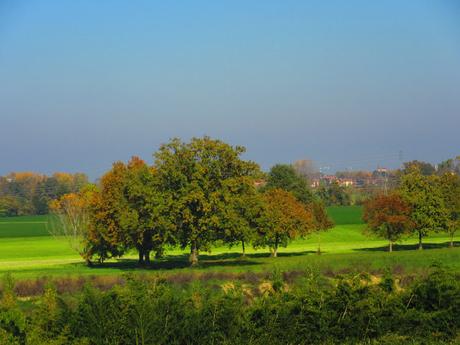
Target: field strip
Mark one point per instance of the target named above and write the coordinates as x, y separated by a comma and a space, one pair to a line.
23, 222
29, 263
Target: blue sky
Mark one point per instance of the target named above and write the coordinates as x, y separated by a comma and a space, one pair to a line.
349, 84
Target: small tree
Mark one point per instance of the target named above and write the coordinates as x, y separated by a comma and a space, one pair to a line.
322, 221
70, 217
388, 217
284, 219
450, 187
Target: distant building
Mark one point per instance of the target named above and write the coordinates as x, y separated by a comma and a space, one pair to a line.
346, 182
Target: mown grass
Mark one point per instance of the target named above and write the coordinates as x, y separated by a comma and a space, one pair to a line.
27, 251
346, 214
24, 226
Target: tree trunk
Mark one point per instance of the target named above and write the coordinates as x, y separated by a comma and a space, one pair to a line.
193, 254
244, 249
420, 245
390, 246
275, 249
147, 257
451, 244
319, 245
141, 257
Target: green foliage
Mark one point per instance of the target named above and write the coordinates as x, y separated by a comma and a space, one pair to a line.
206, 180
333, 194
9, 206
314, 310
284, 177
424, 168
12, 320
424, 195
450, 189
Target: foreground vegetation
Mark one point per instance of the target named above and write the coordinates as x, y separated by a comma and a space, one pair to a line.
278, 309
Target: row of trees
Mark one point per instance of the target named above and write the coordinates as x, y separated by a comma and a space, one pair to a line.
422, 204
28, 193
196, 195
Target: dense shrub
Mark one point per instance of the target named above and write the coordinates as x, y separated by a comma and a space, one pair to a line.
313, 310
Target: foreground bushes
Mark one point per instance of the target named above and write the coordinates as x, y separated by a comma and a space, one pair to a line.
314, 310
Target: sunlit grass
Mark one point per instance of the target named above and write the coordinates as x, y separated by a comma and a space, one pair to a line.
27, 251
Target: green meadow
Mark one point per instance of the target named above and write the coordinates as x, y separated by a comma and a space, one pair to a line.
28, 251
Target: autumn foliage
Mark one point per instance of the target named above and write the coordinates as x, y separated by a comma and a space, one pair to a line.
285, 218
388, 216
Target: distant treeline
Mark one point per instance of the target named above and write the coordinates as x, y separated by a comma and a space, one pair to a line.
28, 193
353, 309
363, 184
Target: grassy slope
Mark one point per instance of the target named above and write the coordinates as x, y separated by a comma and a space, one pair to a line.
27, 251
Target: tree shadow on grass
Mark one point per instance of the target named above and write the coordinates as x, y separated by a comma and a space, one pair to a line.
402, 247
171, 262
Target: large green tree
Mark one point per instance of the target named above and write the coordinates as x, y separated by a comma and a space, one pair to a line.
204, 179
424, 195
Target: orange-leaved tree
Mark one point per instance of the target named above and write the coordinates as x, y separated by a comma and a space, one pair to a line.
284, 219
388, 217
129, 211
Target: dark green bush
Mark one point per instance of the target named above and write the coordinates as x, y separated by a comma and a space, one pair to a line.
315, 310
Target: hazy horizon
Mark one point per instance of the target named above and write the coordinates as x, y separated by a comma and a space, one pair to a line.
346, 84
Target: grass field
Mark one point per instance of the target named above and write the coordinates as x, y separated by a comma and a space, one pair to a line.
27, 251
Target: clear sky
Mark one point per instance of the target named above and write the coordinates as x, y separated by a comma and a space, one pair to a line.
349, 84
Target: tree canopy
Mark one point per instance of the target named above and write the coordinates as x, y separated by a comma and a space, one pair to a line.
203, 178
285, 177
450, 190
285, 218
423, 194
388, 217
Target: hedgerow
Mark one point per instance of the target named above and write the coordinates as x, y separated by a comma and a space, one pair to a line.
351, 309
